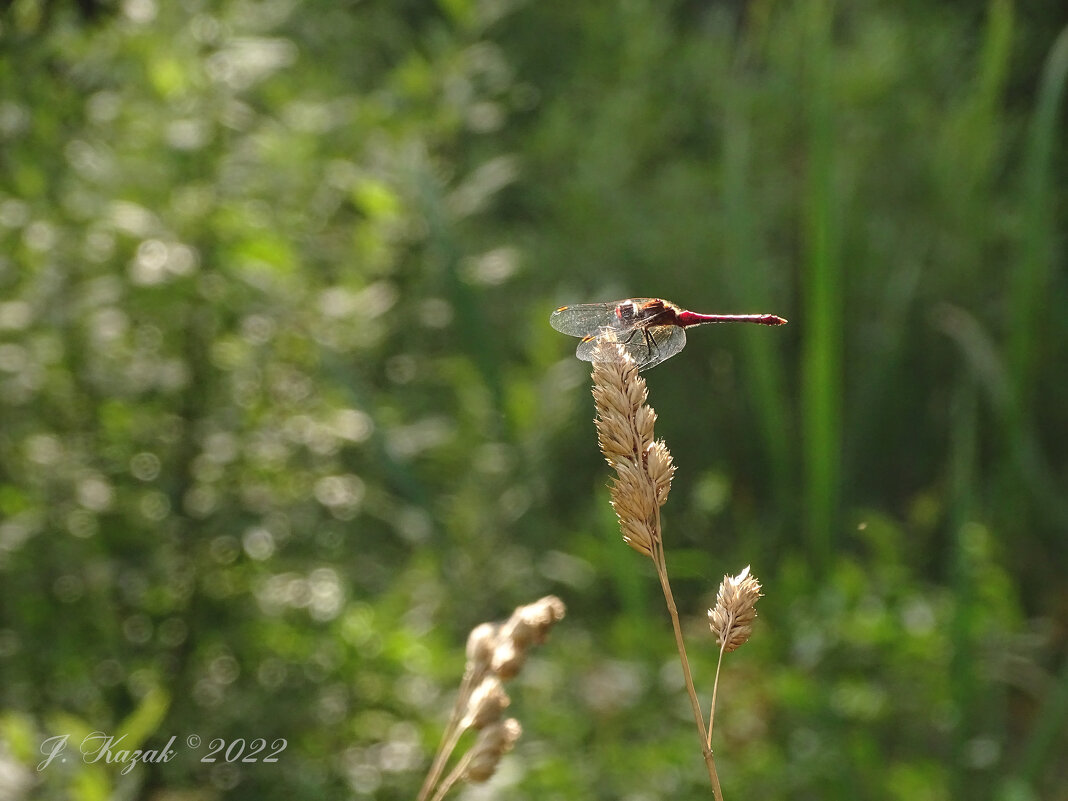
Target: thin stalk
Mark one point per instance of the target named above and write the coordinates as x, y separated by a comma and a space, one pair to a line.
453, 777
715, 691
451, 736
661, 571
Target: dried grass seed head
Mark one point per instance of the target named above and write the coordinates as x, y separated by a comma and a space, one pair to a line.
661, 469
637, 536
732, 618
486, 704
616, 442
529, 625
644, 468
508, 659
618, 390
635, 506
644, 422
493, 742
480, 644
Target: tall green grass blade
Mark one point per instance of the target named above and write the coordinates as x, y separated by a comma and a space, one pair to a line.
974, 128
821, 350
1028, 289
1029, 313
995, 59
964, 683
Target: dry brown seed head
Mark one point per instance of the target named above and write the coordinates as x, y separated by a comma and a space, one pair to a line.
644, 420
480, 644
508, 659
732, 618
661, 469
632, 477
486, 704
634, 504
637, 537
530, 624
625, 432
533, 621
493, 741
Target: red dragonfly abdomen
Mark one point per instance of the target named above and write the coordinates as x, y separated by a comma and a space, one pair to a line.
687, 318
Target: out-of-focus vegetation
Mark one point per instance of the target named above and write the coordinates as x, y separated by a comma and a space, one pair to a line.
282, 418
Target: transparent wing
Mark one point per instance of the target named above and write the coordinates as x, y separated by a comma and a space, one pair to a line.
583, 319
585, 348
588, 319
666, 341
647, 346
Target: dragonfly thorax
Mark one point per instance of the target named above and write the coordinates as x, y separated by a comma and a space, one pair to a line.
626, 311
631, 312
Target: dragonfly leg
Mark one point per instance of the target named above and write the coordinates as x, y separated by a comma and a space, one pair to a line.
651, 347
650, 343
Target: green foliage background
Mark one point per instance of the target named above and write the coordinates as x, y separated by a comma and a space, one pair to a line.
282, 418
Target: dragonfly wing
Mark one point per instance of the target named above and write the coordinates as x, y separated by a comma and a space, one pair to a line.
585, 348
589, 319
662, 342
584, 319
640, 343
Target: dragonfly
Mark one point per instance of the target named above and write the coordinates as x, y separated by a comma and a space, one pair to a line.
650, 329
